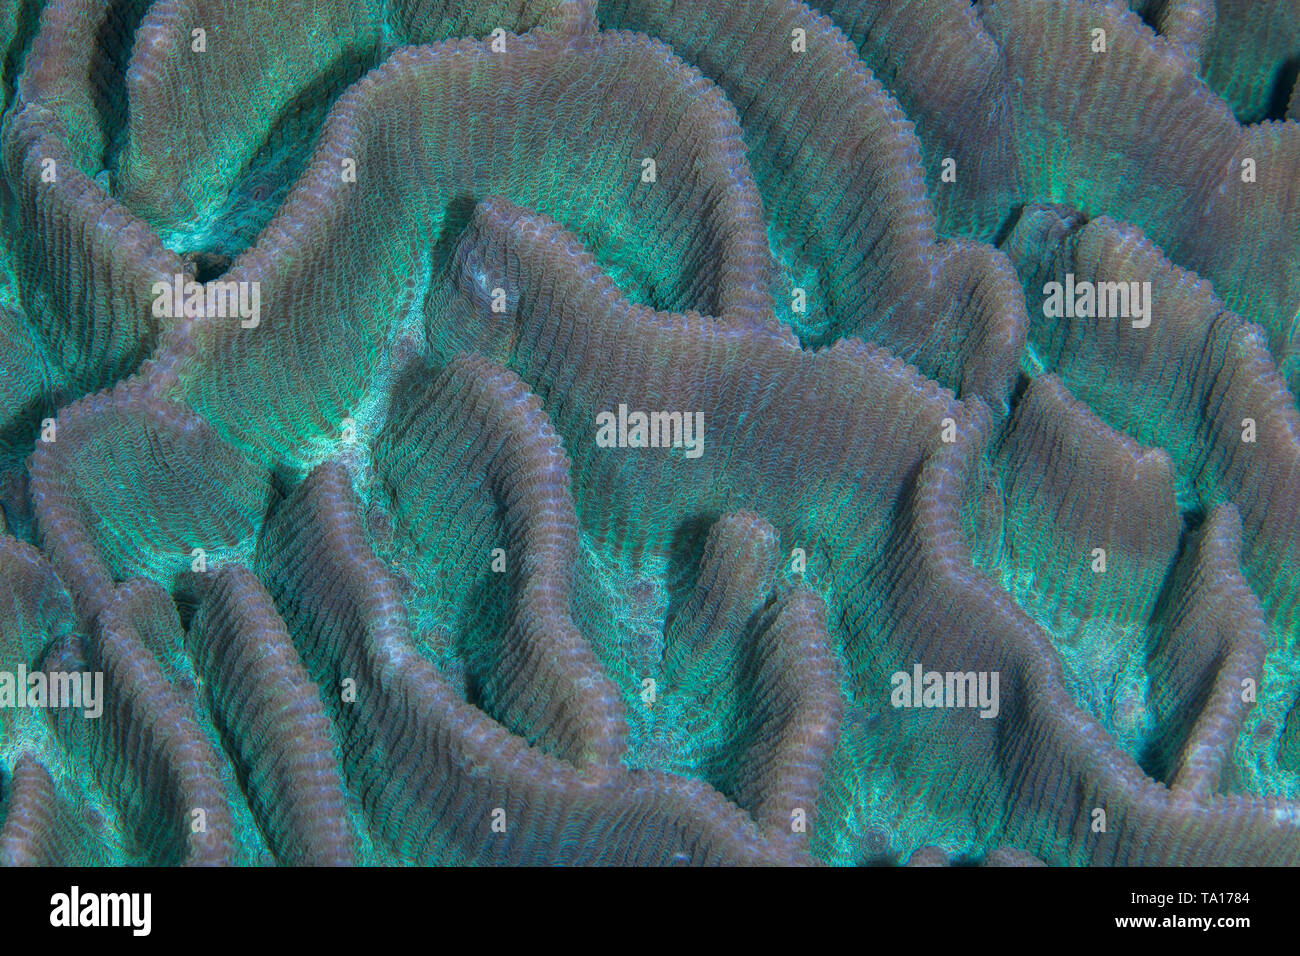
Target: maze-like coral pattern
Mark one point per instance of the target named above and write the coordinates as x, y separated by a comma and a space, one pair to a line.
316, 315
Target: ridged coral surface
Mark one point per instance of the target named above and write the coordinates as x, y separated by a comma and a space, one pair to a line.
648, 432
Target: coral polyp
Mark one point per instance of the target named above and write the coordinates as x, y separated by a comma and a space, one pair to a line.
645, 432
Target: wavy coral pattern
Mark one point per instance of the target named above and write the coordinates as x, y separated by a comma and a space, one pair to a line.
647, 432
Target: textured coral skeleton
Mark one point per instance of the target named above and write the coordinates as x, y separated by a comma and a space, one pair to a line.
363, 587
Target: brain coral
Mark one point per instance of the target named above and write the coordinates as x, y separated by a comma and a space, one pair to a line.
710, 431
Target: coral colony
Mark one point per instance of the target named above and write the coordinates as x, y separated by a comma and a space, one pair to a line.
644, 432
